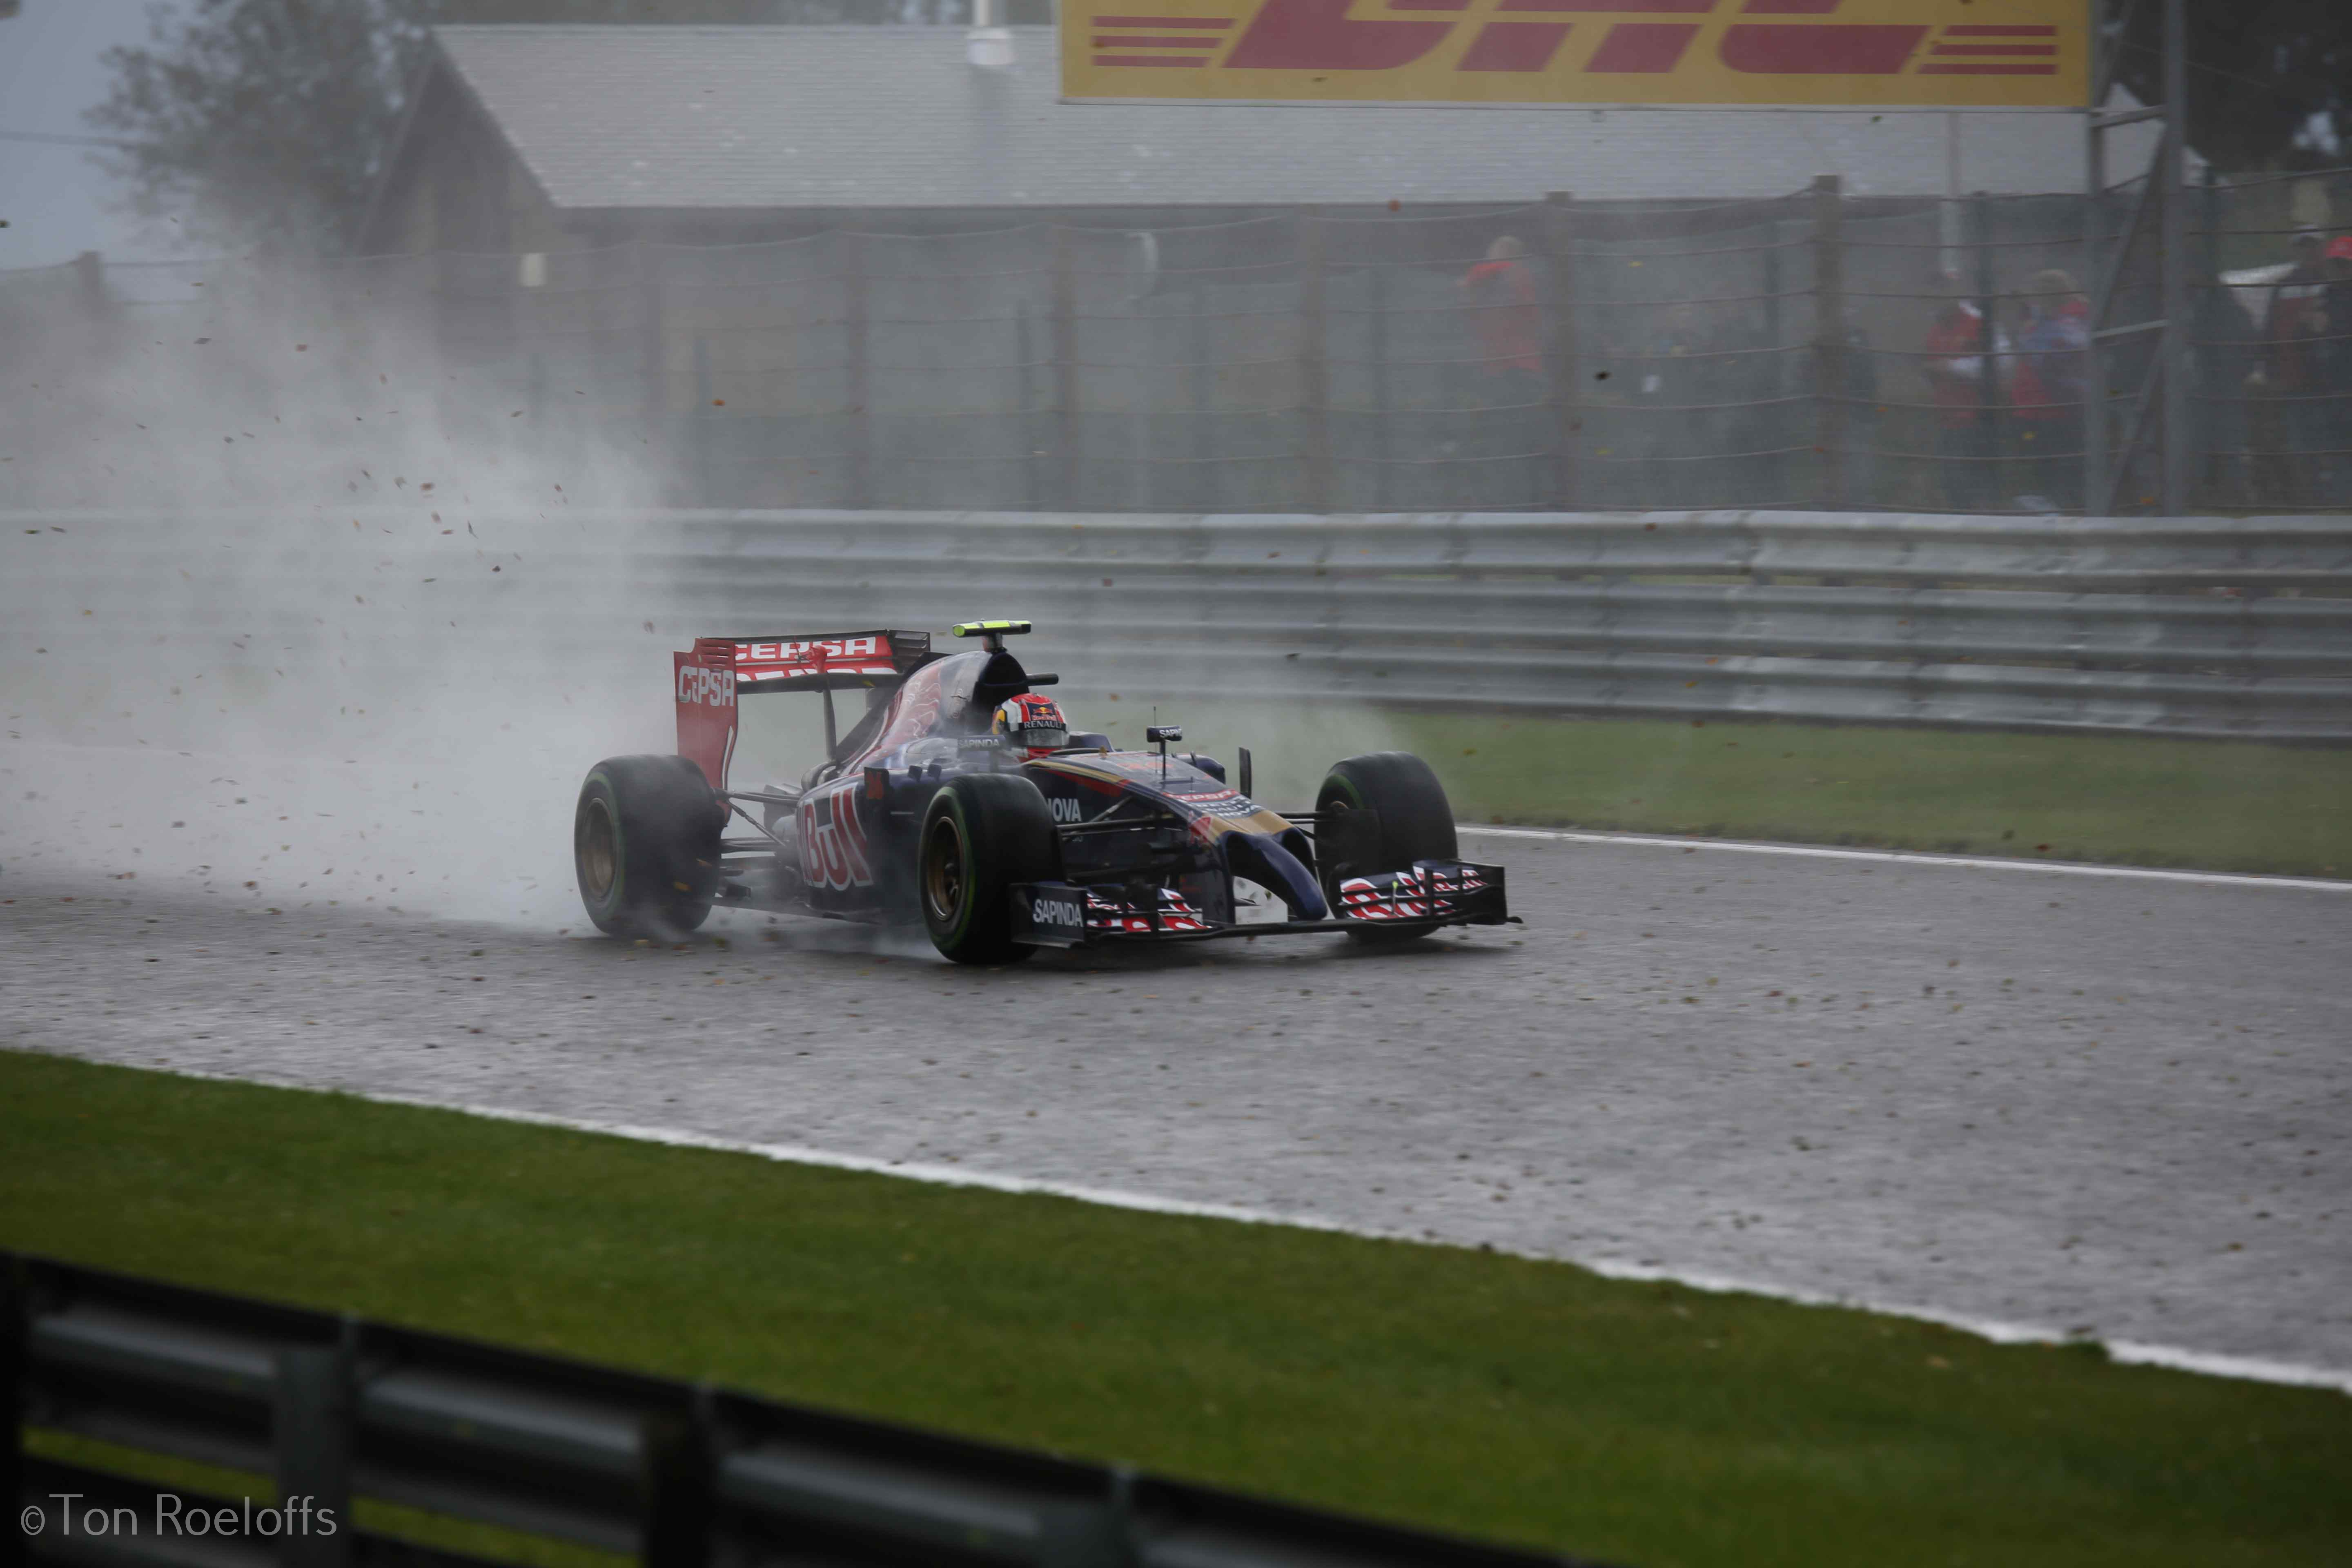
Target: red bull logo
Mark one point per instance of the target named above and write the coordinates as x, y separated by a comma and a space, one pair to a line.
2006, 53
832, 842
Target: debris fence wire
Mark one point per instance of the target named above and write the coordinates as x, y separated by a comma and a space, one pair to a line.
1812, 350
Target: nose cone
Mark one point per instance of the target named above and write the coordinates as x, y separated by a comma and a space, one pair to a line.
1266, 862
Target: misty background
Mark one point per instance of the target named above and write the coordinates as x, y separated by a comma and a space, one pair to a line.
301, 608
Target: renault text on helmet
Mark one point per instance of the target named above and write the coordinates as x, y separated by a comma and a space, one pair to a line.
1034, 724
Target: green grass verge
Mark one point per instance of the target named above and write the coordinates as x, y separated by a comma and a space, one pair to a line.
2137, 800
2129, 799
1525, 1401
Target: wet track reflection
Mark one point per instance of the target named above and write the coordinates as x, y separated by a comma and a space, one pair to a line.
2068, 1101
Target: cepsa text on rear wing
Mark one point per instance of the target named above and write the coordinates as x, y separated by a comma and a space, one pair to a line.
715, 671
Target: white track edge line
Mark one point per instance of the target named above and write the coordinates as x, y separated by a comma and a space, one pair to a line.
2176, 1358
1904, 857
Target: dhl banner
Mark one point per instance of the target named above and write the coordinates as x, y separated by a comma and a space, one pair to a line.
2009, 54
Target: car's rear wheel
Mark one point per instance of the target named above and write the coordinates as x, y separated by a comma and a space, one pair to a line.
644, 846
982, 834
1409, 819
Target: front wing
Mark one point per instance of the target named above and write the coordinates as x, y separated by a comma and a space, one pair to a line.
1434, 893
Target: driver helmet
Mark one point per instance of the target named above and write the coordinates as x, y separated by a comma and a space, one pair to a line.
1032, 724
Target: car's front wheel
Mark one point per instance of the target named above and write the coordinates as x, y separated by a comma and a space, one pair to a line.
982, 834
1406, 817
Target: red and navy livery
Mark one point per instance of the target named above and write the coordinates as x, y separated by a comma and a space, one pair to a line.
926, 810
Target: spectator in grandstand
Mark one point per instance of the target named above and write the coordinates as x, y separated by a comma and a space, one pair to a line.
2337, 302
1504, 299
2338, 268
2292, 372
2225, 341
2047, 390
2336, 361
1965, 382
1506, 302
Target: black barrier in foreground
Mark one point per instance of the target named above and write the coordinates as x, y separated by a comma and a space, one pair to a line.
676, 1475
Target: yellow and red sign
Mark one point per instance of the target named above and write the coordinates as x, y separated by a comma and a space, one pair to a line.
2011, 54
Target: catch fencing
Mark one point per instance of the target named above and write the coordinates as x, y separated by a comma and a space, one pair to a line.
674, 1474
1815, 351
2203, 627
2270, 341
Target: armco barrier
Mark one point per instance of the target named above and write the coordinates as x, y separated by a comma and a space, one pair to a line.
2211, 627
676, 1475
2204, 627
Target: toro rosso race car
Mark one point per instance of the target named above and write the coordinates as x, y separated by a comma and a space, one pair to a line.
960, 798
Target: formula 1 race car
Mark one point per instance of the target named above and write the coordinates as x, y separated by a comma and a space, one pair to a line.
1000, 841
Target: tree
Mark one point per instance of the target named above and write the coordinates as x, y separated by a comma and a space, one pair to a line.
264, 120
2260, 73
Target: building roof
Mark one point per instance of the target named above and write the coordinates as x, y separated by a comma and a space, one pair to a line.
795, 116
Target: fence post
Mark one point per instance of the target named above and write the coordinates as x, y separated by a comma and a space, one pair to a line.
1025, 355
15, 1312
2172, 264
1314, 368
699, 424
675, 1456
2204, 319
1829, 377
310, 1430
1567, 393
1065, 368
1201, 493
856, 368
1143, 330
1383, 397
1992, 397
2098, 406
1775, 382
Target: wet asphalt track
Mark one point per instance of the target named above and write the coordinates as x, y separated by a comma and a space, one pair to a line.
2093, 1104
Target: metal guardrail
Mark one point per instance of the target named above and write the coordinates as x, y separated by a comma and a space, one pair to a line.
2198, 627
678, 1475
2204, 627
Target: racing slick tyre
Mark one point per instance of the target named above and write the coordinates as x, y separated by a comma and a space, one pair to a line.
982, 834
1414, 822
644, 846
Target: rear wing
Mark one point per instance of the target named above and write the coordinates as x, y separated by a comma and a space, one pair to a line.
826, 661
717, 670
